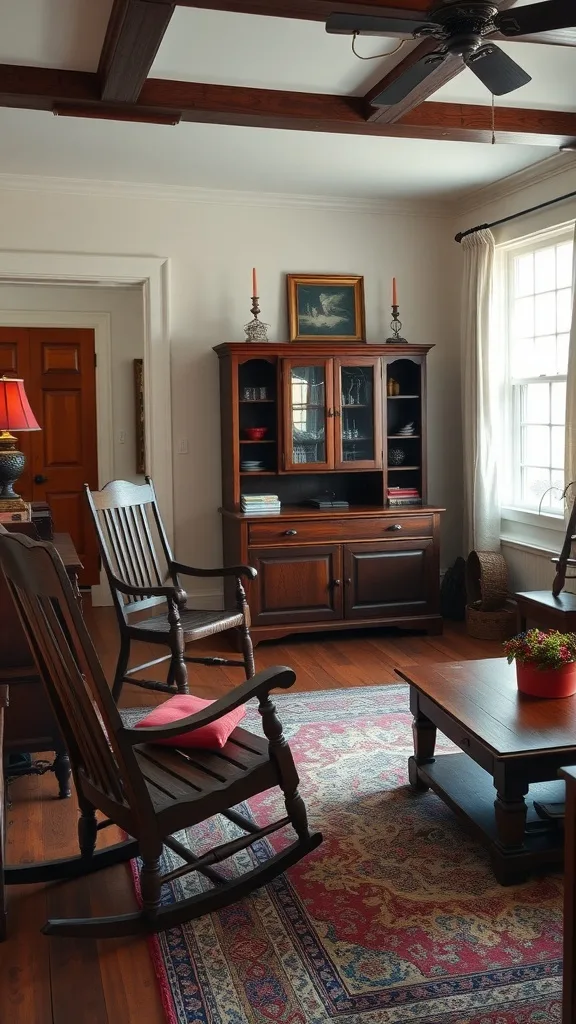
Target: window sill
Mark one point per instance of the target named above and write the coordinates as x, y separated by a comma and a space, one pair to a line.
538, 532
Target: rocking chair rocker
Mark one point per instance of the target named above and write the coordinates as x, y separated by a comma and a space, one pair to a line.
151, 792
127, 518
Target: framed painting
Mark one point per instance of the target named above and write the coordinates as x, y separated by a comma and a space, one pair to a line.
139, 406
325, 307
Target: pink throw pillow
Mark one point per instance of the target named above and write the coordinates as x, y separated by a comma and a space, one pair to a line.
212, 736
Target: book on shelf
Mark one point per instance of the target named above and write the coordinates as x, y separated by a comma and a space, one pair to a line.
11, 515
403, 502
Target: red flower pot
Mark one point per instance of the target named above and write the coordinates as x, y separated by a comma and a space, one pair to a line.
548, 682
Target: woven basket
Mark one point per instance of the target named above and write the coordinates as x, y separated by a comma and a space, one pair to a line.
493, 625
486, 580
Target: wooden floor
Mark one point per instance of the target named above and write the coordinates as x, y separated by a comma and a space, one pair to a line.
61, 981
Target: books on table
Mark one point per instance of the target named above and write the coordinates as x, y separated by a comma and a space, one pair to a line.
260, 504
400, 496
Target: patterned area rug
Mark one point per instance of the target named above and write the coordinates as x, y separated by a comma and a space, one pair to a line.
396, 918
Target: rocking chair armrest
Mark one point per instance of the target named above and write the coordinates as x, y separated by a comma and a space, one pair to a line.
170, 593
229, 570
258, 686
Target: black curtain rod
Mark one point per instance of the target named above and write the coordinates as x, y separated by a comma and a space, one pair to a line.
513, 216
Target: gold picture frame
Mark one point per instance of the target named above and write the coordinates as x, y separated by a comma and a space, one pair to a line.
139, 409
326, 307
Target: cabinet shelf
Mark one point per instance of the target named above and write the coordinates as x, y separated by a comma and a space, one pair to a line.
402, 437
260, 472
257, 401
401, 469
267, 441
356, 407
395, 398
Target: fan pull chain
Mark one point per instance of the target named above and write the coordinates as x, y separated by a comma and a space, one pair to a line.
388, 53
493, 119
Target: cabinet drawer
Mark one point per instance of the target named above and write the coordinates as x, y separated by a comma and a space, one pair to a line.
393, 527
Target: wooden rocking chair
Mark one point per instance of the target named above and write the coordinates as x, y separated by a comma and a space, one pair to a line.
565, 559
149, 791
126, 518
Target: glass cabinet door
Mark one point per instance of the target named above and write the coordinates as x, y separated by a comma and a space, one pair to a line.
308, 415
358, 413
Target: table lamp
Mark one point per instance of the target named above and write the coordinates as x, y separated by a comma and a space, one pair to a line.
15, 414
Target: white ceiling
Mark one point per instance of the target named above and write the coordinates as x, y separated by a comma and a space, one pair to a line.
274, 53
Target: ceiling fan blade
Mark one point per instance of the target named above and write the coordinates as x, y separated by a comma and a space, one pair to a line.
410, 78
389, 22
496, 70
534, 18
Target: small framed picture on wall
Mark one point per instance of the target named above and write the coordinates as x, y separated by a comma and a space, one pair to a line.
326, 307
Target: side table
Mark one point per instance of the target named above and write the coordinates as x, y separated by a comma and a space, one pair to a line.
29, 722
542, 608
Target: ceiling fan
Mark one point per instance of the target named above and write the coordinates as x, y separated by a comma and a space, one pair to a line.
465, 30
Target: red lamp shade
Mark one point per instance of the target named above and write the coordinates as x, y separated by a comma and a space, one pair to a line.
15, 411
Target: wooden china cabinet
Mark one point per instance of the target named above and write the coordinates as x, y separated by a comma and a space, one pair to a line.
342, 423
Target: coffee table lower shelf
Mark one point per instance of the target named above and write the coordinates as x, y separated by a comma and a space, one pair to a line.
469, 791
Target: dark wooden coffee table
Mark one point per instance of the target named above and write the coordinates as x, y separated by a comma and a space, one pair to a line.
512, 744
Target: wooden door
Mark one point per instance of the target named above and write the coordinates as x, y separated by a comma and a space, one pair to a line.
58, 368
308, 411
390, 578
296, 585
358, 412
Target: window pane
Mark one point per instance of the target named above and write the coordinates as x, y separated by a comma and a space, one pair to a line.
524, 275
564, 309
564, 265
536, 446
557, 446
545, 314
562, 345
545, 270
558, 402
524, 360
535, 482
544, 356
523, 318
536, 403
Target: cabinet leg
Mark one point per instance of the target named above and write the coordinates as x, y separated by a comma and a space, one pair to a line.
62, 771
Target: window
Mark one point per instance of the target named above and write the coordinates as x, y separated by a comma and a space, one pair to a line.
538, 290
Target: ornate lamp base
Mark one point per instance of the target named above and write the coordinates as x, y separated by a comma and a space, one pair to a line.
12, 463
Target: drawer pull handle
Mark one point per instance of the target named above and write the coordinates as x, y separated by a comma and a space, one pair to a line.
395, 526
336, 583
290, 533
348, 581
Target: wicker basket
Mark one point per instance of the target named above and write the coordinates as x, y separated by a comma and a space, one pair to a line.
486, 580
492, 625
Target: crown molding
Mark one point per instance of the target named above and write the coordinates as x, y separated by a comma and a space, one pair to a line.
221, 197
536, 174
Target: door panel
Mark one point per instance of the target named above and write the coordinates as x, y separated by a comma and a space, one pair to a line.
358, 412
296, 585
58, 368
308, 414
390, 578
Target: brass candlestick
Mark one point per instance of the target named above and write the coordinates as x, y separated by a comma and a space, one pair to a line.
396, 327
256, 330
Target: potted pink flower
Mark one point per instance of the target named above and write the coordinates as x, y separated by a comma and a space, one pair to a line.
545, 662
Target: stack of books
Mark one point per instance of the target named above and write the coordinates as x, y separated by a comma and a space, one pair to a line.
260, 504
403, 496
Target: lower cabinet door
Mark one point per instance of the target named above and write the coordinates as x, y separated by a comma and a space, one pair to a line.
395, 579
296, 584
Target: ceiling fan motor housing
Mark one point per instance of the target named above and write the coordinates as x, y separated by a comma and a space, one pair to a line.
461, 26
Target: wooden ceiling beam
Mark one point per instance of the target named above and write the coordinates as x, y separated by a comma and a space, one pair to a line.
45, 89
135, 30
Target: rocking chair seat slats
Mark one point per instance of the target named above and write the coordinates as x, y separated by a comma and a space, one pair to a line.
142, 571
195, 625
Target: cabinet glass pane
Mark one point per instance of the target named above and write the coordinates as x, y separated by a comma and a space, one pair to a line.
308, 396
357, 419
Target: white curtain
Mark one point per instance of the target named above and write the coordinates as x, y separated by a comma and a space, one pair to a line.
570, 453
480, 416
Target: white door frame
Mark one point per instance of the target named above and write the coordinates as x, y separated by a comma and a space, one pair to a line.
152, 273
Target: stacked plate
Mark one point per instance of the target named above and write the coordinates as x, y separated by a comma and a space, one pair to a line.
251, 466
407, 430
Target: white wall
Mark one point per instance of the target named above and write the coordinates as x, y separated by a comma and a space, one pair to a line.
529, 569
125, 306
212, 246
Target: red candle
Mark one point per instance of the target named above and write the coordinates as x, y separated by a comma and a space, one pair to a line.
254, 282
394, 292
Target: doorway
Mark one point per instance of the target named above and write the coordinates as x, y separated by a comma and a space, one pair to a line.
59, 372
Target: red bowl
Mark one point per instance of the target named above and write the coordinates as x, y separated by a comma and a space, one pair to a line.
255, 433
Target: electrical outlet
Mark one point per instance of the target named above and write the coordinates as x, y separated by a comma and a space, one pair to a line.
183, 446
122, 437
